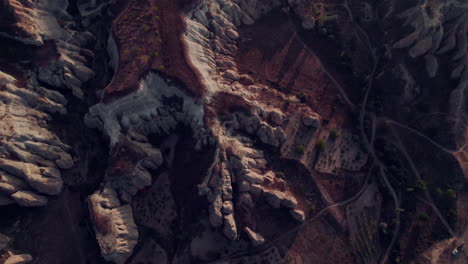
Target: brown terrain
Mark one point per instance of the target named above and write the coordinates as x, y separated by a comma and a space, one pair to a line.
260, 131
148, 35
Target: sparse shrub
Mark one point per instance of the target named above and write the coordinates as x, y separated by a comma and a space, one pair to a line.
280, 174
155, 53
145, 28
423, 216
320, 145
161, 67
452, 212
300, 149
312, 207
421, 185
334, 134
451, 193
144, 59
136, 50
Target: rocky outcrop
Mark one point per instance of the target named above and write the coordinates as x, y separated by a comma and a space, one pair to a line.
256, 238
116, 231
440, 30
158, 107
212, 36
30, 155
18, 259
298, 215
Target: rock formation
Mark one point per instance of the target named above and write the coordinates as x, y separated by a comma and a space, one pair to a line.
116, 232
229, 124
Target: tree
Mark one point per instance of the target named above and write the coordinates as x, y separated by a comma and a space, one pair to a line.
451, 193
300, 149
334, 134
320, 145
421, 185
423, 216
280, 174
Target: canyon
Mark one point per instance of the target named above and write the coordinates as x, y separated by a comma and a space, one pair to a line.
233, 131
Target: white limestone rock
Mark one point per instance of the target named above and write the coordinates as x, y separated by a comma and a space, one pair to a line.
276, 117
29, 199
116, 231
230, 228
298, 215
18, 259
310, 121
231, 75
253, 177
271, 136
255, 238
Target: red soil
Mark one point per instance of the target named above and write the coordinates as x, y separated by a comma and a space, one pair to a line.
149, 36
282, 61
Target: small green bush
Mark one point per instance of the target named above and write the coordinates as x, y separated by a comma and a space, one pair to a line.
334, 134
320, 145
451, 193
280, 174
423, 216
300, 149
421, 185
145, 28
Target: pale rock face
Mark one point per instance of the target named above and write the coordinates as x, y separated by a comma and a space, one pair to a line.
44, 180
298, 215
289, 202
276, 117
29, 199
27, 107
211, 23
271, 136
116, 231
232, 75
19, 259
255, 238
253, 177
145, 111
310, 121
230, 229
